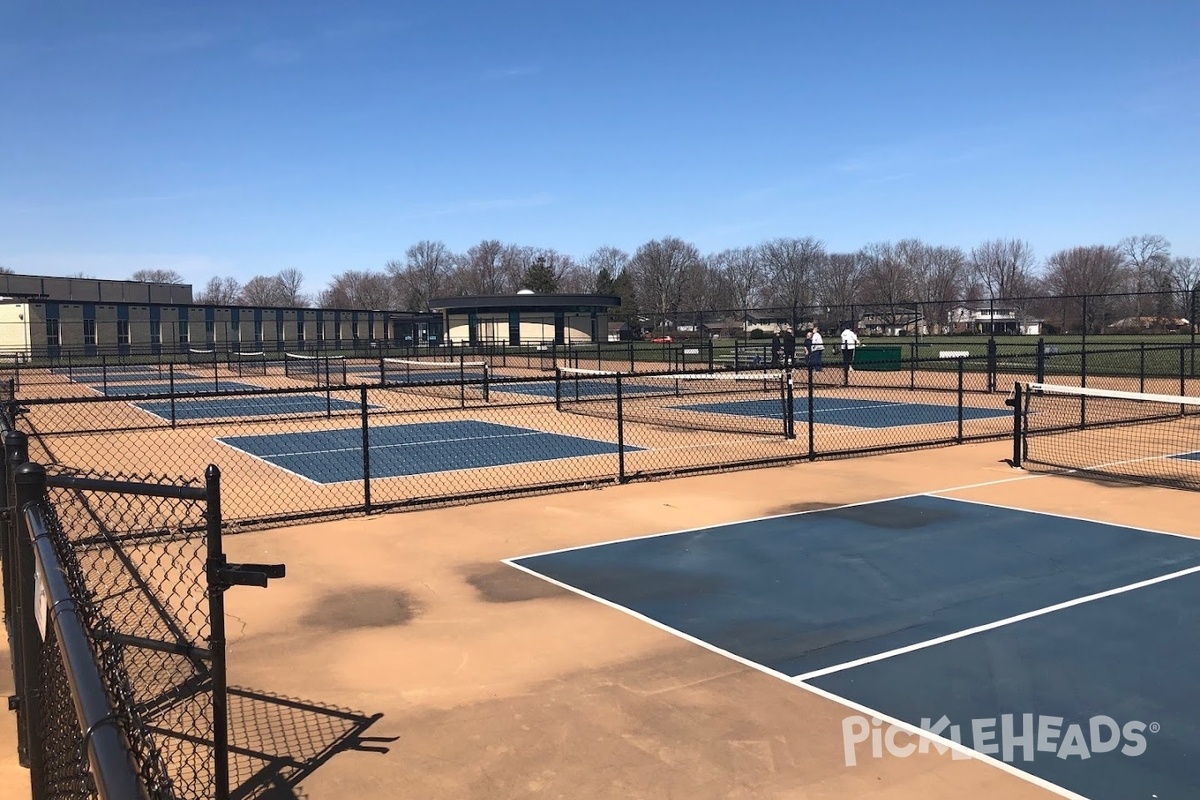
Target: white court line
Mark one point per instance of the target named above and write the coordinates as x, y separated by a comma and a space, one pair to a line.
858, 662
262, 460
862, 709
1022, 477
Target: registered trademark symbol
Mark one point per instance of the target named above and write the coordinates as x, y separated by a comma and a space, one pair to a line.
1155, 727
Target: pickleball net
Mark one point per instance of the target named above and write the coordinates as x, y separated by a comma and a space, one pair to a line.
465, 381
1131, 437
247, 364
322, 370
758, 403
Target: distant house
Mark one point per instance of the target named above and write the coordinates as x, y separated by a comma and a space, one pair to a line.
1149, 325
986, 319
900, 322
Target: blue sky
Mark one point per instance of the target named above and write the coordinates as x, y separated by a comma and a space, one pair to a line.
235, 138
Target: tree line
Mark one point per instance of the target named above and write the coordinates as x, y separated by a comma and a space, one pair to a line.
669, 276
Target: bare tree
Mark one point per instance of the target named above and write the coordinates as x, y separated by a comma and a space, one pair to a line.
481, 269
839, 283
658, 270
939, 274
1147, 261
609, 261
220, 292
156, 276
423, 275
355, 289
790, 266
1085, 271
290, 281
263, 290
1004, 267
889, 283
5, 270
742, 273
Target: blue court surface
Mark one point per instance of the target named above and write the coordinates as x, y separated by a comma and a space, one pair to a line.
849, 412
165, 387
924, 608
124, 376
266, 405
335, 456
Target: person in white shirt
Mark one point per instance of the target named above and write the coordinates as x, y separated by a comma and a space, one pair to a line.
816, 348
849, 343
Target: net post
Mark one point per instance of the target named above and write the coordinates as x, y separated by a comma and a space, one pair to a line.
912, 367
991, 359
812, 439
171, 388
1017, 417
366, 450
557, 388
959, 438
1182, 378
620, 431
789, 405
487, 388
1040, 372
631, 359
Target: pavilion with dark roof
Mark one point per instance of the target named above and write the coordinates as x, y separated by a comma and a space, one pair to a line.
526, 318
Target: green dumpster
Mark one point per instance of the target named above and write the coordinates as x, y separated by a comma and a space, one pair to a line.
876, 358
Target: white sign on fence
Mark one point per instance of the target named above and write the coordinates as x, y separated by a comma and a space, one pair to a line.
39, 601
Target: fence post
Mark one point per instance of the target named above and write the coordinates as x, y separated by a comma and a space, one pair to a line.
912, 367
1040, 372
216, 627
29, 486
366, 451
620, 431
1182, 377
16, 447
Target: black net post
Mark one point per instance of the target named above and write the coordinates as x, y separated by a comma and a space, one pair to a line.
620, 431
991, 362
557, 389
1040, 372
789, 405
959, 437
366, 451
29, 486
171, 389
1017, 418
812, 434
912, 367
1142, 367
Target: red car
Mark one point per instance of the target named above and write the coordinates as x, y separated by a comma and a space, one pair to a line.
662, 340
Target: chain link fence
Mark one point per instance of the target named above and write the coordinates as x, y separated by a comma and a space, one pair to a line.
113, 598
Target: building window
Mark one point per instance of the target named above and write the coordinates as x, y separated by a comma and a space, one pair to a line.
279, 337
210, 331
89, 331
52, 331
122, 331
235, 330
354, 331
337, 332
184, 336
300, 331
258, 331
320, 331
155, 331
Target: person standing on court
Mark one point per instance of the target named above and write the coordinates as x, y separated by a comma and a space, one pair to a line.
849, 343
815, 346
776, 349
789, 346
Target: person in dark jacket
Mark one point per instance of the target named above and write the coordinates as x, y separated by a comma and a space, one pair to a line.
776, 350
789, 346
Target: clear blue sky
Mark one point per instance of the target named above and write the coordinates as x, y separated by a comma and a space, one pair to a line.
240, 138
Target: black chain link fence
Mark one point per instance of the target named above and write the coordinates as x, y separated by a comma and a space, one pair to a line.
113, 597
348, 436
